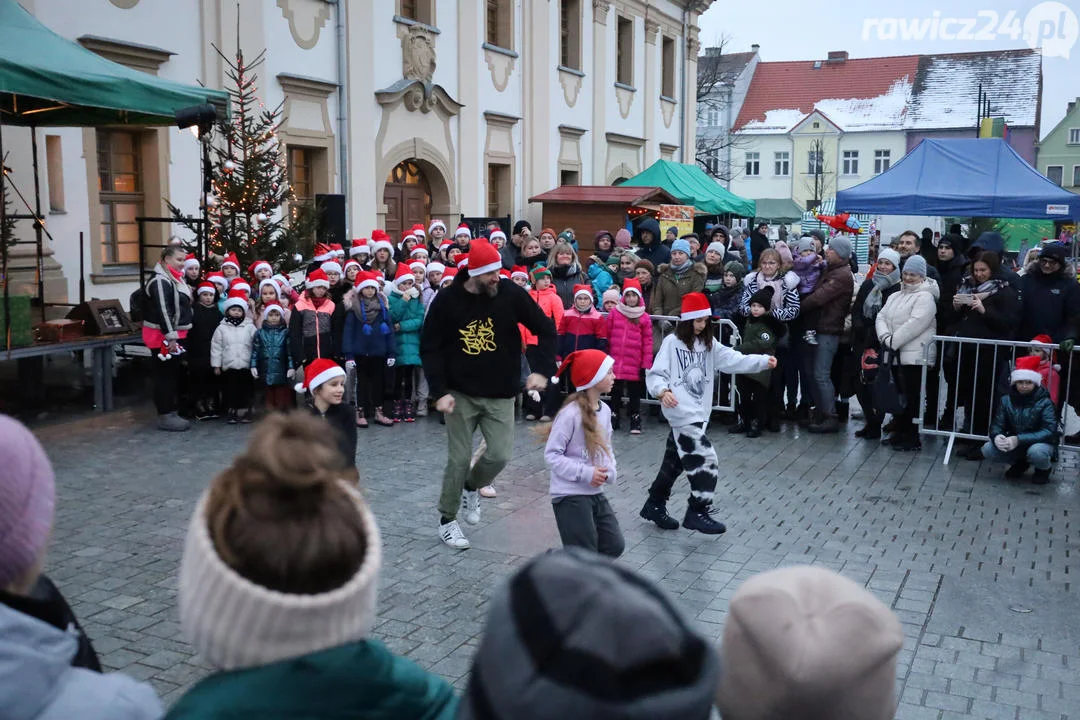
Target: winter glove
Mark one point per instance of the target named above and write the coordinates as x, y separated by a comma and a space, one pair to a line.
870, 359
1001, 443
534, 395
350, 365
1066, 346
255, 373
390, 362
290, 373
1012, 442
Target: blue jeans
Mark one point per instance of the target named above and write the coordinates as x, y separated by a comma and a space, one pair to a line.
1038, 454
823, 360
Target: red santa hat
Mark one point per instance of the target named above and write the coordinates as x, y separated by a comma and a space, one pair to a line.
1044, 339
463, 229
1027, 368
191, 261
272, 306
497, 234
337, 250
417, 263
482, 258
218, 279
632, 285
383, 243
583, 290
435, 267
317, 372
235, 299
351, 262
317, 278
272, 283
586, 368
418, 230
232, 260
366, 280
323, 252
259, 265
206, 287
359, 247
463, 262
331, 266
436, 224
446, 243
403, 273
519, 270
448, 274
239, 284
695, 305
405, 236
419, 250
283, 282
505, 273
379, 234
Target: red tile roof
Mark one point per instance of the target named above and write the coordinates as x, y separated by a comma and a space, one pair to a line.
595, 194
798, 85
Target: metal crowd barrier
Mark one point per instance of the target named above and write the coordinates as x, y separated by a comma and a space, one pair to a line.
987, 363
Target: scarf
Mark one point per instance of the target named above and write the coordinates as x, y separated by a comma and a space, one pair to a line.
176, 274
881, 282
776, 283
235, 322
680, 269
631, 313
982, 291
370, 308
318, 302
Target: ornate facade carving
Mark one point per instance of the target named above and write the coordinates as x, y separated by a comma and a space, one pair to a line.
501, 66
418, 54
600, 11
306, 20
571, 86
652, 29
625, 96
667, 110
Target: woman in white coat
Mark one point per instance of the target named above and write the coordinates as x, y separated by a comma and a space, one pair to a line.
906, 326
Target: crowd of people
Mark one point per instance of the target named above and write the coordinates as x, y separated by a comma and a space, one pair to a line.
277, 593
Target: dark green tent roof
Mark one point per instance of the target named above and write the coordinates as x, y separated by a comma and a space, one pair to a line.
692, 186
778, 210
49, 81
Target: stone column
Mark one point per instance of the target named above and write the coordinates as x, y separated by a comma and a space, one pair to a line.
538, 65
363, 114
689, 91
470, 141
652, 96
597, 173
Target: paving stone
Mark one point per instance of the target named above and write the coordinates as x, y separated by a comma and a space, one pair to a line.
957, 551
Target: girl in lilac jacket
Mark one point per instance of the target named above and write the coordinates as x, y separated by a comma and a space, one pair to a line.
579, 455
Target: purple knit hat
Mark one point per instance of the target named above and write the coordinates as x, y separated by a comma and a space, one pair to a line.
27, 498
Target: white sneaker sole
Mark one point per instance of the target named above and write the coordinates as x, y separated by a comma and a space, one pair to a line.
449, 542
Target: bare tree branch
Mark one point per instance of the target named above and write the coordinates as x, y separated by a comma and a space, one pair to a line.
716, 77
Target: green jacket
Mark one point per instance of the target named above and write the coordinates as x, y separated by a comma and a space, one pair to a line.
759, 337
1031, 418
358, 681
410, 316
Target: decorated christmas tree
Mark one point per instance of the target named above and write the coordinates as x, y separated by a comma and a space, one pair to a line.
251, 209
7, 224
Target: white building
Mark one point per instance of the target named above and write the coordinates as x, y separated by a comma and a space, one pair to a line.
414, 109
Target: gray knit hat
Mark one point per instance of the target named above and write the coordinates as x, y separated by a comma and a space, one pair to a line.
573, 635
841, 246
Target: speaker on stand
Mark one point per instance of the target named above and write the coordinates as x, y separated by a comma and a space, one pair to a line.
330, 222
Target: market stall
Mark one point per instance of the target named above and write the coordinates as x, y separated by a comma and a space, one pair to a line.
49, 81
589, 208
692, 186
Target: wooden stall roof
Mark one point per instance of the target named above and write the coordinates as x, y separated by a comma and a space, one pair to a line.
605, 195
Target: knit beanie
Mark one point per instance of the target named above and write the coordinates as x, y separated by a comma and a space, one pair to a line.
841, 246
890, 255
612, 293
804, 243
785, 254
27, 500
622, 238
717, 247
736, 268
235, 623
915, 264
762, 297
680, 245
574, 635
804, 642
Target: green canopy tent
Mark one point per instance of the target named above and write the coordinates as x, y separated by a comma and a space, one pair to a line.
692, 186
778, 210
49, 81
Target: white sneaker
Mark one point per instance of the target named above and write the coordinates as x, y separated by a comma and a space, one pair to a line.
470, 505
451, 535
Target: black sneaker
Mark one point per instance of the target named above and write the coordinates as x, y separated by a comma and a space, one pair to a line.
615, 424
657, 512
1040, 477
702, 521
635, 424
231, 417
868, 433
754, 431
1017, 470
246, 416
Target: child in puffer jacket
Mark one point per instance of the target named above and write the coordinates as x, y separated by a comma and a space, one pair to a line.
724, 298
368, 345
808, 265
1025, 427
544, 294
582, 326
230, 356
316, 322
631, 345
407, 315
271, 360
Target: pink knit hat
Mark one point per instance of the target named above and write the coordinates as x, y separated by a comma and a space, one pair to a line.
27, 499
805, 642
622, 238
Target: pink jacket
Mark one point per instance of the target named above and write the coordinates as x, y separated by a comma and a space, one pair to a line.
630, 344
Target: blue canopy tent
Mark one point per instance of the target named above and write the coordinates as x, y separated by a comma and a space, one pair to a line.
967, 177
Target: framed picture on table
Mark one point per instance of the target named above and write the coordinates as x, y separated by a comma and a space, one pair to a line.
103, 317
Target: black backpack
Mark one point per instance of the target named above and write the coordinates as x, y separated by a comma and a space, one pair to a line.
135, 304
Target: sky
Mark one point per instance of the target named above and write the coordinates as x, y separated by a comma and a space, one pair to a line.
790, 30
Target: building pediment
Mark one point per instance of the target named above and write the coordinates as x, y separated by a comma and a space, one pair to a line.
816, 123
422, 95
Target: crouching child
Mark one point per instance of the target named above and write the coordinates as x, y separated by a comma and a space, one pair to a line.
1025, 427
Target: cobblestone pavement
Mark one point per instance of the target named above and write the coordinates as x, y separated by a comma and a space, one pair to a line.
980, 570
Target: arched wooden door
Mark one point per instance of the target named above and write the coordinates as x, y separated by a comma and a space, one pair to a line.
407, 197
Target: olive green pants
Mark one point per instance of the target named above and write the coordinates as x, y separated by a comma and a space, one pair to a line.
495, 418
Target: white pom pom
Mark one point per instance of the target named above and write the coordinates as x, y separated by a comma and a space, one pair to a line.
262, 217
298, 258
229, 165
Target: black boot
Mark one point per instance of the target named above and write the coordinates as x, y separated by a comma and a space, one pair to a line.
656, 512
754, 431
1017, 470
615, 420
231, 417
1040, 477
869, 433
635, 424
699, 517
738, 428
802, 414
843, 410
410, 411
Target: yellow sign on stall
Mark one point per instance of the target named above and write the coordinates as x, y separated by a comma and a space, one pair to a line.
681, 216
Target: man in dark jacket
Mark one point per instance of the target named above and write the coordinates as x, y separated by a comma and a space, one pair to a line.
759, 243
1049, 297
951, 264
830, 304
471, 350
650, 247
909, 243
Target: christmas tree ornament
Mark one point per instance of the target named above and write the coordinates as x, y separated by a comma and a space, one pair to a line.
228, 166
262, 217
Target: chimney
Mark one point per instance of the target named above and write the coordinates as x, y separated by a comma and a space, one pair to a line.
837, 56
1072, 106
754, 48
712, 52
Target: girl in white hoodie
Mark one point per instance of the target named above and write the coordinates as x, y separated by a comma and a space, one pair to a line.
681, 378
